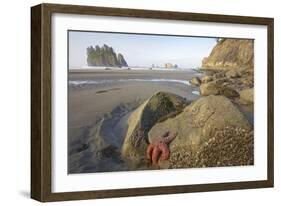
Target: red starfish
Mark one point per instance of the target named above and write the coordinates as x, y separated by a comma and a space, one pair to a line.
159, 147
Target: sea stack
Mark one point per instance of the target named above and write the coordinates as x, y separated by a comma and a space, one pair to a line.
104, 56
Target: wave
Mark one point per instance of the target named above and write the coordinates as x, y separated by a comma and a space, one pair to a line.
136, 68
196, 93
106, 81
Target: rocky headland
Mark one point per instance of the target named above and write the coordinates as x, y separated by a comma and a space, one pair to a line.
229, 71
230, 54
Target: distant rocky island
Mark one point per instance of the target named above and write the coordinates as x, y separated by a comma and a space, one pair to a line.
104, 56
170, 65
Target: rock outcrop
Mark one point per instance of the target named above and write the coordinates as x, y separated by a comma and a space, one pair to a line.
121, 60
247, 96
159, 107
210, 88
229, 92
232, 74
218, 87
210, 132
229, 69
207, 79
104, 56
195, 81
231, 53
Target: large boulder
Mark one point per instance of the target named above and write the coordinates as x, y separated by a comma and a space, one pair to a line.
210, 88
218, 87
159, 107
210, 132
228, 91
247, 96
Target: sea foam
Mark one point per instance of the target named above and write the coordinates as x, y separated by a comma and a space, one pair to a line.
106, 81
196, 93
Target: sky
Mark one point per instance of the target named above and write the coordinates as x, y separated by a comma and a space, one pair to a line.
142, 50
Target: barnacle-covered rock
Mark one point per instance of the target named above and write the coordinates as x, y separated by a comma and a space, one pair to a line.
210, 132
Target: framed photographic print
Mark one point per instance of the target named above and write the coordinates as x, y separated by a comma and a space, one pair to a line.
130, 102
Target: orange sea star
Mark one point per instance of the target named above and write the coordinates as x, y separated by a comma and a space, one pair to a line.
159, 147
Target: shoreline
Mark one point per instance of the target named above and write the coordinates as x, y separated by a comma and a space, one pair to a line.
127, 68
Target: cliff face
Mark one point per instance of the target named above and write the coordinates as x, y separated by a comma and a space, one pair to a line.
230, 72
231, 54
104, 56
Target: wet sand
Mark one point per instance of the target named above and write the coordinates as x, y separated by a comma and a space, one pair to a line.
99, 105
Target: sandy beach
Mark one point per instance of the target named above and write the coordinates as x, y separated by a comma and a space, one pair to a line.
99, 103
